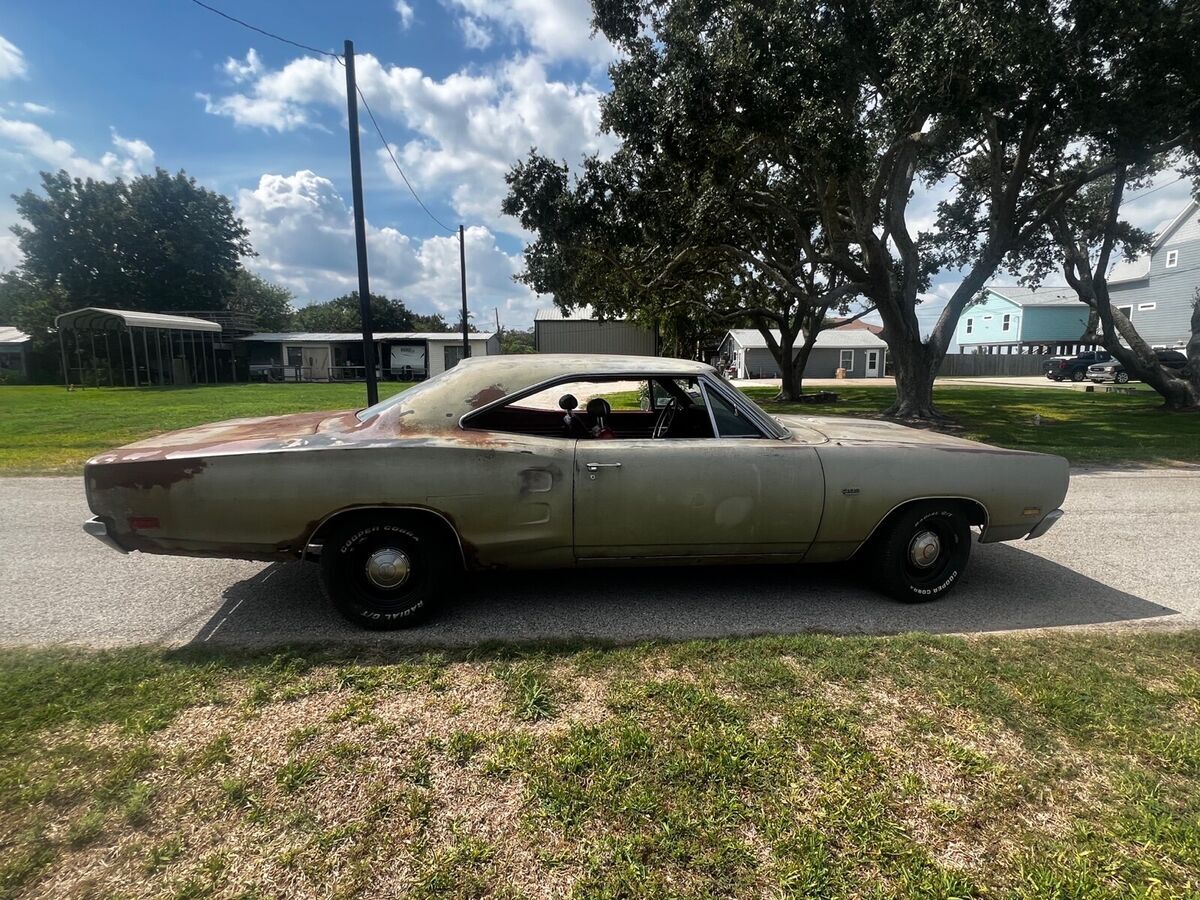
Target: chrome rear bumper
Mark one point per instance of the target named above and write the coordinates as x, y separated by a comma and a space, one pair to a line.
1045, 525
96, 528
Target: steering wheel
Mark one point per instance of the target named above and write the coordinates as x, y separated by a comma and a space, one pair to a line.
662, 425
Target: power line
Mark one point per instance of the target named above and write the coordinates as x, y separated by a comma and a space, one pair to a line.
1152, 190
272, 35
388, 148
379, 131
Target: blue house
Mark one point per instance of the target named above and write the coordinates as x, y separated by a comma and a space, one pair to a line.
1049, 320
1156, 290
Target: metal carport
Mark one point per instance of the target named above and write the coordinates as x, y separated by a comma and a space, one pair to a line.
147, 348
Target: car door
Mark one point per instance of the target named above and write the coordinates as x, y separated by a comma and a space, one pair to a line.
731, 497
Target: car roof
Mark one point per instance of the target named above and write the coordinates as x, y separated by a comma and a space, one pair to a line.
482, 380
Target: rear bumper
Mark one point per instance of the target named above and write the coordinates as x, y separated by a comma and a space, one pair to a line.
98, 529
1045, 525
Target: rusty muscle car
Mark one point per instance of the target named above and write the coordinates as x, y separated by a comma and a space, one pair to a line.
526, 462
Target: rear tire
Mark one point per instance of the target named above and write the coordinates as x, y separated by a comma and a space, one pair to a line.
923, 553
386, 573
1078, 375
1121, 378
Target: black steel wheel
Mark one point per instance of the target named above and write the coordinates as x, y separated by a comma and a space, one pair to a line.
385, 574
923, 552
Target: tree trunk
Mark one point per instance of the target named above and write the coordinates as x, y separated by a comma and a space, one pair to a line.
790, 383
790, 380
915, 367
800, 363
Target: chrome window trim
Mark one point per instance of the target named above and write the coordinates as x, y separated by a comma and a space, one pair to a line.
712, 419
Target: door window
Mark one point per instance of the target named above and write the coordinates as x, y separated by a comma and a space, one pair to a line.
598, 409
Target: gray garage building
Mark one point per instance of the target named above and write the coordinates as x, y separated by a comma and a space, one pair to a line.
859, 351
580, 331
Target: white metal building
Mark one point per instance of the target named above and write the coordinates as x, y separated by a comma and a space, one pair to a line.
338, 356
13, 345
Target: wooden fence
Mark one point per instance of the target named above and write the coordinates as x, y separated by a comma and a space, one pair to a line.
1016, 365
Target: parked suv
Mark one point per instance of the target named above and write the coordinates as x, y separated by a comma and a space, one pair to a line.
1114, 371
1076, 368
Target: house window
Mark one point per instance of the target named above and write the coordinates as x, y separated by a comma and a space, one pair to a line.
970, 325
1172, 258
1007, 321
846, 360
1143, 307
1127, 310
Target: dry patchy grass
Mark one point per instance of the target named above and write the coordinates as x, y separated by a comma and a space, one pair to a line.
806, 766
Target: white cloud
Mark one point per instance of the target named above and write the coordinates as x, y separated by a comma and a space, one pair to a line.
405, 11
304, 234
470, 127
554, 29
278, 100
475, 33
10, 252
35, 146
243, 69
136, 150
12, 60
33, 109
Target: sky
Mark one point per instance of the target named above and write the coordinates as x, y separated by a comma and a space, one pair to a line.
462, 89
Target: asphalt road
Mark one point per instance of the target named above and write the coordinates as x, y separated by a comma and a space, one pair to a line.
1127, 554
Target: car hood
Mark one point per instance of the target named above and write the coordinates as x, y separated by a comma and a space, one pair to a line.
847, 430
237, 435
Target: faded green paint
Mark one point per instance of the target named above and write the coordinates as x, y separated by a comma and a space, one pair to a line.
259, 488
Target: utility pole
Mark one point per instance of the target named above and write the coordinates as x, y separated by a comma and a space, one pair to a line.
360, 230
462, 268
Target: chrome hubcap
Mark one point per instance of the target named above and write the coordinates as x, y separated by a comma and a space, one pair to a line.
388, 568
924, 549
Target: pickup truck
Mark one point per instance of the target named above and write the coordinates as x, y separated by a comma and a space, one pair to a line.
1060, 368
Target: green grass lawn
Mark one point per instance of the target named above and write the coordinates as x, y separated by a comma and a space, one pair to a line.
1088, 429
809, 766
49, 430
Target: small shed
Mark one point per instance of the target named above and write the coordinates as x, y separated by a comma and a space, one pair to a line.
145, 348
14, 345
338, 356
859, 351
581, 331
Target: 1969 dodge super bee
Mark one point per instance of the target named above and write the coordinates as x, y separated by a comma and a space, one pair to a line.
523, 462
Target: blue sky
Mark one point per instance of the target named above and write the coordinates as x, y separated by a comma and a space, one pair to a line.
462, 89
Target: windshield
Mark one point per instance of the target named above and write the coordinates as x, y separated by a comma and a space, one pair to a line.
407, 395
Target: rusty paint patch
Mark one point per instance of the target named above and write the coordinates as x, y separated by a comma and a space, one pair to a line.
487, 395
142, 473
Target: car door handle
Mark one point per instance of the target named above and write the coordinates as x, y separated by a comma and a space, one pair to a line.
592, 467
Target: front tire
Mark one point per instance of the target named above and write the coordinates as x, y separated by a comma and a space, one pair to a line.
923, 553
384, 574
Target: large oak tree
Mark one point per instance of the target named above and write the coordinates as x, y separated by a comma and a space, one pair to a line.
857, 104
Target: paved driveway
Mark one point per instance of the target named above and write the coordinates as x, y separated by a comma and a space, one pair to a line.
1126, 555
